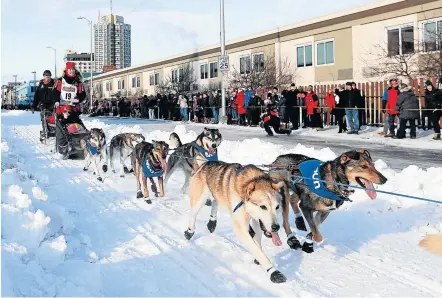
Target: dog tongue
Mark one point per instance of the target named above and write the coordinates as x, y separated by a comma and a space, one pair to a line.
275, 239
371, 193
163, 165
211, 151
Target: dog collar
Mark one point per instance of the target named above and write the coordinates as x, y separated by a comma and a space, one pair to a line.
206, 153
92, 149
238, 206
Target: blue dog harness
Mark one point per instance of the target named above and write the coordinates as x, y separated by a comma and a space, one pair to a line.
92, 149
310, 170
206, 153
150, 171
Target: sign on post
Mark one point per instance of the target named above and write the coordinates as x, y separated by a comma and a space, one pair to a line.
224, 63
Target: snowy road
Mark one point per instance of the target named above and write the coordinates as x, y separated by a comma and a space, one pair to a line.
398, 154
66, 234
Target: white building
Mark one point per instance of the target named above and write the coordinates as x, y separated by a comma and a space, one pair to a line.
82, 60
112, 42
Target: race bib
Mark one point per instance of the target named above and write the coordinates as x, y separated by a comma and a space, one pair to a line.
68, 93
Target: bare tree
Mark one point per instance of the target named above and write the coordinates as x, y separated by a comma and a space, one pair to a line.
179, 80
263, 73
411, 59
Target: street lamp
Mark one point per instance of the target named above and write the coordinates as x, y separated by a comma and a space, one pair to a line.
223, 53
91, 93
55, 60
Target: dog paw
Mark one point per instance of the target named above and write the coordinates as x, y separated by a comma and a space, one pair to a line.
188, 234
208, 203
139, 194
211, 225
300, 224
256, 262
113, 171
148, 201
126, 170
307, 247
277, 277
85, 169
105, 168
294, 243
161, 194
100, 179
94, 173
121, 176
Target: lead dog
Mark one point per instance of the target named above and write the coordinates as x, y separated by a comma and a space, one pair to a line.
251, 197
149, 161
94, 150
192, 155
125, 144
301, 175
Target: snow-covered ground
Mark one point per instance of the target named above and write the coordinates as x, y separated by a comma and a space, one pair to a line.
66, 234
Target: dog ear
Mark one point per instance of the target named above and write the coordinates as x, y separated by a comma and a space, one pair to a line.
365, 152
347, 156
154, 143
278, 185
250, 188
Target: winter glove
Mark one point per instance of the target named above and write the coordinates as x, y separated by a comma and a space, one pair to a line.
57, 104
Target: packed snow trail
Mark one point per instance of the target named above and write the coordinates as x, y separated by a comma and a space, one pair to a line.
102, 241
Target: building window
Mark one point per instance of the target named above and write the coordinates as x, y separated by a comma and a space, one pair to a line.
203, 71
175, 76
325, 52
157, 78
400, 41
151, 80
136, 82
120, 84
304, 56
108, 86
244, 65
432, 36
258, 62
213, 70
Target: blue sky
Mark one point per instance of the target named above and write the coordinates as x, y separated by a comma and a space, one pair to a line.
160, 28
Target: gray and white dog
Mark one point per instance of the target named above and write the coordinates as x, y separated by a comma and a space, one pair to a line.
95, 151
192, 155
124, 143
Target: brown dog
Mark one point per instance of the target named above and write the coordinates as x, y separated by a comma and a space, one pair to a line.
149, 161
322, 187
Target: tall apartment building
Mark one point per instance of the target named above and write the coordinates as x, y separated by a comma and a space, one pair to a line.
82, 60
112, 42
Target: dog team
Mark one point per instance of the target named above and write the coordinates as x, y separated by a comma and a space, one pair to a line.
252, 196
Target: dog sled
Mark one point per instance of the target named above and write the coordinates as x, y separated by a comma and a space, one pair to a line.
68, 136
48, 119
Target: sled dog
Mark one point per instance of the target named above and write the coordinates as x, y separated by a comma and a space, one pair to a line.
94, 148
124, 143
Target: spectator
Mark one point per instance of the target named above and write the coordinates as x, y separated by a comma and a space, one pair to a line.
408, 107
144, 101
239, 101
330, 104
361, 106
313, 112
271, 119
292, 111
351, 101
436, 105
393, 92
182, 101
151, 103
426, 108
392, 95
215, 105
339, 111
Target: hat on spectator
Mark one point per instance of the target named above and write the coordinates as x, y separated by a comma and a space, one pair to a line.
348, 84
292, 85
428, 83
404, 87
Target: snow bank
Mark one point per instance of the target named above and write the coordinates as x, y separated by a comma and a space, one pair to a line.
10, 113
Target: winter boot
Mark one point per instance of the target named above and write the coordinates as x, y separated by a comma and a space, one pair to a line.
436, 136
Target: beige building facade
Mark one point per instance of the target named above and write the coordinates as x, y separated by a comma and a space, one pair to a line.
330, 49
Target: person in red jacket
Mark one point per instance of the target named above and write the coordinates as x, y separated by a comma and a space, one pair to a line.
68, 93
392, 95
330, 104
239, 101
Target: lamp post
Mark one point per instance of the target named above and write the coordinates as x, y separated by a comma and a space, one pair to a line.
223, 53
15, 90
91, 93
55, 60
34, 72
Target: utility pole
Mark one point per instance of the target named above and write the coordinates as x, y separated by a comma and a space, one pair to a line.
91, 88
55, 61
223, 67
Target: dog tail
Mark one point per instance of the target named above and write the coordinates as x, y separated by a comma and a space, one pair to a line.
432, 243
174, 141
